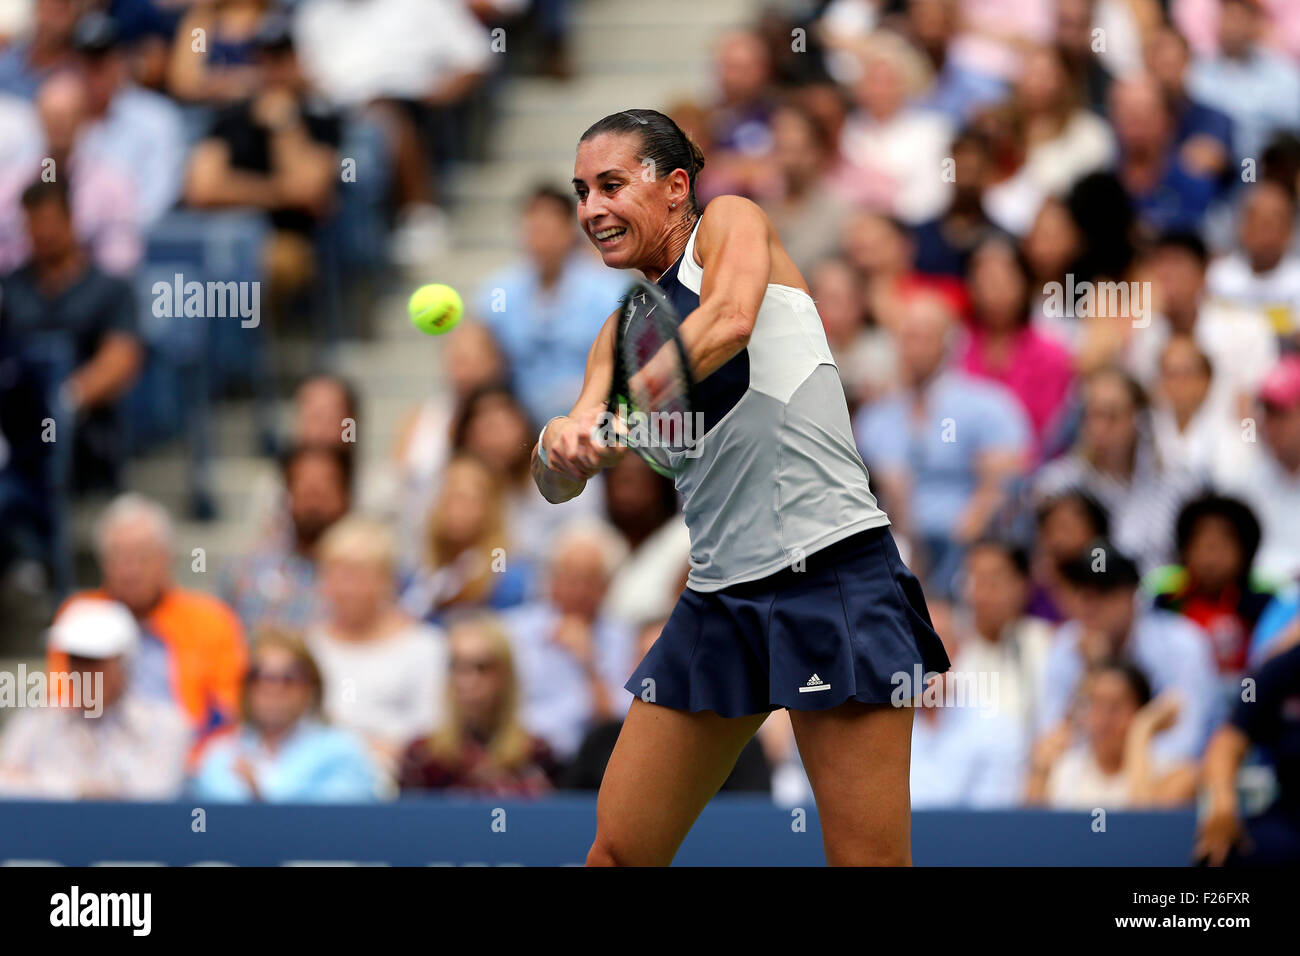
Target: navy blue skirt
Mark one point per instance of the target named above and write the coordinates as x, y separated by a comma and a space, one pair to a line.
851, 625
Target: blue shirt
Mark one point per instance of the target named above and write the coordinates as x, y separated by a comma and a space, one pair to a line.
1280, 613
965, 417
143, 134
967, 758
1197, 119
546, 335
314, 764
16, 75
1172, 652
1261, 94
1178, 201
958, 92
151, 668
556, 699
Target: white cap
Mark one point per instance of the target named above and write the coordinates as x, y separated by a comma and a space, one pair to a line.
95, 629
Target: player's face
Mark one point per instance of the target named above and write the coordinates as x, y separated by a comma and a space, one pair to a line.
622, 207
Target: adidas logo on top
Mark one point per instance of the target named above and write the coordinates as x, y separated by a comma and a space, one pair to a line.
814, 683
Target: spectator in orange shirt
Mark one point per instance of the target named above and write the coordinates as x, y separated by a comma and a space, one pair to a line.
192, 646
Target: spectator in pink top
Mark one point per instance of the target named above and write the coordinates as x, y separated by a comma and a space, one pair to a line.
105, 210
1004, 347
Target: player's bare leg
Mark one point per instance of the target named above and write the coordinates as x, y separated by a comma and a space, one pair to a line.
666, 766
858, 757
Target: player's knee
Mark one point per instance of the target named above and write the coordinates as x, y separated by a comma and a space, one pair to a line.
869, 855
874, 846
602, 853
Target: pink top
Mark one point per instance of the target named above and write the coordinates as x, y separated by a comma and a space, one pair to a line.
1039, 372
1198, 20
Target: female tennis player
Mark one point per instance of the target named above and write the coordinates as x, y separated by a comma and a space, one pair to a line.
796, 596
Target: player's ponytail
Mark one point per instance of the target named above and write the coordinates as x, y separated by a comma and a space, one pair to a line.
697, 155
662, 143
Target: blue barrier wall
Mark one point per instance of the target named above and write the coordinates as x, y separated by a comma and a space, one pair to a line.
733, 831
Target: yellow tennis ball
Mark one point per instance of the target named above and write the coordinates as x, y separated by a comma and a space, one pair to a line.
435, 308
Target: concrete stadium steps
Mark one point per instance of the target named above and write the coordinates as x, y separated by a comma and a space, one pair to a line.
548, 135
464, 267
234, 477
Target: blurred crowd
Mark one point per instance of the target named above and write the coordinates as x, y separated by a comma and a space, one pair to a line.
1053, 244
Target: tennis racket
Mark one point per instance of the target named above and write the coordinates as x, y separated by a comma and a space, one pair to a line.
652, 394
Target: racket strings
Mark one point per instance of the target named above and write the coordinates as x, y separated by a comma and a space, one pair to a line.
648, 341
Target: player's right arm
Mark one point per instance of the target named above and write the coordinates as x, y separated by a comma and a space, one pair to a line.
572, 457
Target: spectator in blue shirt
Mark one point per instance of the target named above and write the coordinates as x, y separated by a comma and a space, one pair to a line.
1258, 88
546, 310
137, 129
1109, 622
966, 754
1167, 191
942, 448
27, 62
1278, 628
573, 659
944, 244
283, 752
1202, 134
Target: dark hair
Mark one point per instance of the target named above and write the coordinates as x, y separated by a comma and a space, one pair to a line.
341, 457
41, 192
1136, 393
817, 128
662, 142
546, 192
1097, 515
470, 406
1280, 161
1182, 240
1286, 189
1244, 524
1117, 570
351, 404
1016, 555
665, 504
1104, 214
1019, 261
972, 136
1132, 675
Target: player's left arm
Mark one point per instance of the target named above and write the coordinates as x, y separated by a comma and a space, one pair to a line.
734, 245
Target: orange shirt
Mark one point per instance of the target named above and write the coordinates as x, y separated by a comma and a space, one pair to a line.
206, 651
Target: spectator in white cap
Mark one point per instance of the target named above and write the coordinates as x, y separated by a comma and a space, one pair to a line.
94, 738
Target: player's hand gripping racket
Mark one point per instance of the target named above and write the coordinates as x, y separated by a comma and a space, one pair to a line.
652, 394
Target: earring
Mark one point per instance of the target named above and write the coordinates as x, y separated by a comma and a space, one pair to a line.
672, 205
